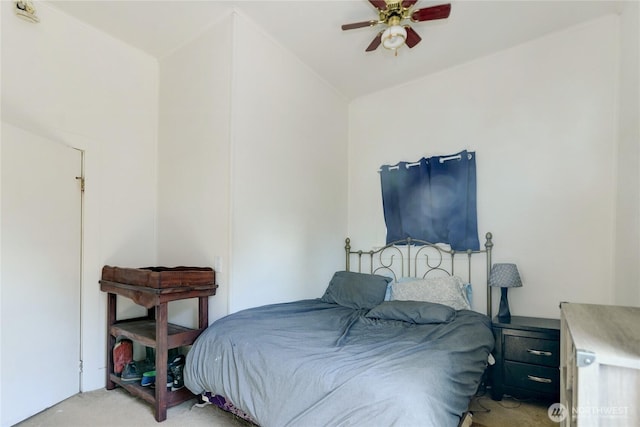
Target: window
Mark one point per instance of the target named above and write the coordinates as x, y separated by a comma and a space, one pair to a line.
433, 199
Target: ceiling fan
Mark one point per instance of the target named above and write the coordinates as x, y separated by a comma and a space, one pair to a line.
392, 13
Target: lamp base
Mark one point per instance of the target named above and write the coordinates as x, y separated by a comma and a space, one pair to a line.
503, 313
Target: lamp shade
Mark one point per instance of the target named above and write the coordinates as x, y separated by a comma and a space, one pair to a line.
505, 276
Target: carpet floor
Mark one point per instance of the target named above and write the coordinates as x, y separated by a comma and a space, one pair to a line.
102, 408
509, 412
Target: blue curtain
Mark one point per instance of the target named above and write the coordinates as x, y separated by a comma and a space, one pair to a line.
433, 199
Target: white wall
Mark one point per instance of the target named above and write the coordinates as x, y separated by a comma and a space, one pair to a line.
252, 168
66, 81
289, 169
627, 268
193, 162
542, 119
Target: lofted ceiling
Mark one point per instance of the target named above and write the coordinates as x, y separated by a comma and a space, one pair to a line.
311, 30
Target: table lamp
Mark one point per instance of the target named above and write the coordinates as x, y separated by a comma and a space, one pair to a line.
504, 276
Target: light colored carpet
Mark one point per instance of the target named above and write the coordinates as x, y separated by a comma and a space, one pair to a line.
102, 408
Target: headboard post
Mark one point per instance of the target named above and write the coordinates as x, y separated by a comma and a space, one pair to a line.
488, 244
347, 249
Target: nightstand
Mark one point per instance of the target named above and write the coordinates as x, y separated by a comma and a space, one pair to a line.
527, 354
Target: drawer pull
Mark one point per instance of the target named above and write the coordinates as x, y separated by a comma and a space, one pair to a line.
539, 379
539, 352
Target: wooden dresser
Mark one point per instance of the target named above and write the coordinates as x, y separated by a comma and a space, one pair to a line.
599, 365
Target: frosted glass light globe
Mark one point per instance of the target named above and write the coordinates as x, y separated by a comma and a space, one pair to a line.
394, 37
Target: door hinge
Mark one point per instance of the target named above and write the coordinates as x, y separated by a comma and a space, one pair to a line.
81, 178
80, 366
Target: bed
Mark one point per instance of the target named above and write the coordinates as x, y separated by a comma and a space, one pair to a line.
392, 341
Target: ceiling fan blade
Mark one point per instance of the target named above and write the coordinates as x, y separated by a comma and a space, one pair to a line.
375, 43
379, 4
359, 25
412, 37
406, 4
430, 13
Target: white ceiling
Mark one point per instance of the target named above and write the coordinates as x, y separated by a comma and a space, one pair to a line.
311, 30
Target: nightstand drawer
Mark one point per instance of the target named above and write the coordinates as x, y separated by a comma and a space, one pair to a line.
532, 377
532, 350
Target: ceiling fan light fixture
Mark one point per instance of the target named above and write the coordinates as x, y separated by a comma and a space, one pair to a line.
394, 37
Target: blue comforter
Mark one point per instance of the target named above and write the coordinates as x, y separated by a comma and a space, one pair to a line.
311, 363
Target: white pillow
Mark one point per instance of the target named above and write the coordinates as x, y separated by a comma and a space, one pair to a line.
447, 290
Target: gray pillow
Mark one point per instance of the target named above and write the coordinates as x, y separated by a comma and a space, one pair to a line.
356, 290
419, 312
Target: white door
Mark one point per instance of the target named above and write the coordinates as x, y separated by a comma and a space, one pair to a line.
40, 273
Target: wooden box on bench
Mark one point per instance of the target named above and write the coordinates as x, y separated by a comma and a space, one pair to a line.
160, 277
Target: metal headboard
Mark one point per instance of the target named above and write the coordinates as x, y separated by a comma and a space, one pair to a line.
417, 258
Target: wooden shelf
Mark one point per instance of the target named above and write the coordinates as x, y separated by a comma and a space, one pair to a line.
148, 394
154, 330
144, 332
